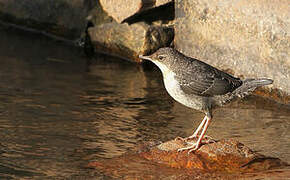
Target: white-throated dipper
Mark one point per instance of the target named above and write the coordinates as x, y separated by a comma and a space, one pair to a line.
199, 86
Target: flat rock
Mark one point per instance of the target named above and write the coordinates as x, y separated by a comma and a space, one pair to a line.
122, 9
226, 155
128, 41
225, 159
250, 40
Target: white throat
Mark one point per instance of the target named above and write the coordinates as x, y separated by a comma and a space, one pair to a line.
164, 69
170, 82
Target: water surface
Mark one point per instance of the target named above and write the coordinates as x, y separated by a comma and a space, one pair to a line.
57, 114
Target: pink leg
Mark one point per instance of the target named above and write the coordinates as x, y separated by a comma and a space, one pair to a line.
195, 132
198, 129
196, 145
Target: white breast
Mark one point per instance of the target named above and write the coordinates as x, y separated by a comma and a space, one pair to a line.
173, 88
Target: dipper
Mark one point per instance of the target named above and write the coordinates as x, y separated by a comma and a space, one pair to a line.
199, 86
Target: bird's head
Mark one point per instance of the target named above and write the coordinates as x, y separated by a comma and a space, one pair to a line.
162, 55
167, 59
164, 58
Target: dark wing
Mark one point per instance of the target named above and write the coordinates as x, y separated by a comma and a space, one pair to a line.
204, 80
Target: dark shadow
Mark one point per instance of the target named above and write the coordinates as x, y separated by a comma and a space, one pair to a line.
164, 13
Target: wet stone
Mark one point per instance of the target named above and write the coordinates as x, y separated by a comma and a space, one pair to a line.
225, 155
226, 158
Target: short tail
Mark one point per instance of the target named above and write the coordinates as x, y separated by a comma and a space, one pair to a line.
254, 83
249, 85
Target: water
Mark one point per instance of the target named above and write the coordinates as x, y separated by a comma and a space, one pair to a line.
56, 116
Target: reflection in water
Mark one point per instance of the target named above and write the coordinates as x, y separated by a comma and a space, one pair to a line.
55, 116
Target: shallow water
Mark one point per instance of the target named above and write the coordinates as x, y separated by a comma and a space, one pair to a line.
57, 114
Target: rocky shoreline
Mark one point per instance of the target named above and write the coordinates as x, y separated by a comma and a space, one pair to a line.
247, 40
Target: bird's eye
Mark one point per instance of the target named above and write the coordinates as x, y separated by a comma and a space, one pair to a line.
160, 57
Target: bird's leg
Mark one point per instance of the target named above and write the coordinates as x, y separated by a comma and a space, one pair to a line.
198, 129
195, 134
196, 145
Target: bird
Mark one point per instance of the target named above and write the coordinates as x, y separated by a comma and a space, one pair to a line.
199, 86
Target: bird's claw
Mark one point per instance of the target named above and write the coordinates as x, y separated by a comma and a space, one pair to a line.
193, 147
206, 139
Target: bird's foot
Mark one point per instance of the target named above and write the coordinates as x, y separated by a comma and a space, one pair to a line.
186, 138
192, 147
206, 139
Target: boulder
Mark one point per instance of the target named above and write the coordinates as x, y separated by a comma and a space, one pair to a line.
129, 41
225, 159
65, 18
123, 9
249, 40
227, 155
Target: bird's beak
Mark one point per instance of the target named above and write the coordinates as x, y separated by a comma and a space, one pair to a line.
145, 57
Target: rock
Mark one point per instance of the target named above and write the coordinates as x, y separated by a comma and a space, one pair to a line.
64, 18
98, 16
121, 10
225, 155
161, 2
72, 19
247, 39
225, 159
128, 41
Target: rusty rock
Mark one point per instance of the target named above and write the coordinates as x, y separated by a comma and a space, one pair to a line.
226, 155
225, 159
